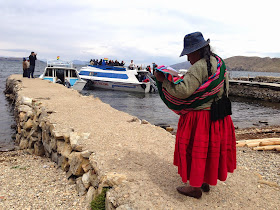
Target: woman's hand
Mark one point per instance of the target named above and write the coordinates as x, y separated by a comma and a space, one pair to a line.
160, 76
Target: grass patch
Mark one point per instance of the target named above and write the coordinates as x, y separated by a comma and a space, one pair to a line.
99, 202
22, 168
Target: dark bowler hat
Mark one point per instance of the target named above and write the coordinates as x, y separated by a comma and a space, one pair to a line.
193, 42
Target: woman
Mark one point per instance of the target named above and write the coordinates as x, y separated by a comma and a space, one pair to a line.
205, 148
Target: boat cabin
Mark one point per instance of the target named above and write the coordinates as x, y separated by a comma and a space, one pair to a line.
60, 74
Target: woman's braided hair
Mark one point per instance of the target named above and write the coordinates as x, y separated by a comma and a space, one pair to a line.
206, 52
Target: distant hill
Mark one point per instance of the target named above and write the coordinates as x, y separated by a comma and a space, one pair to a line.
183, 65
17, 59
77, 62
242, 63
10, 59
236, 63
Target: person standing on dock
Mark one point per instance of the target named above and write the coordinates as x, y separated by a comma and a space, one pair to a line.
154, 67
24, 67
32, 59
205, 148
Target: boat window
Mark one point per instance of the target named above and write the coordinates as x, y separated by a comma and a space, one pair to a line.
104, 74
49, 73
66, 73
73, 73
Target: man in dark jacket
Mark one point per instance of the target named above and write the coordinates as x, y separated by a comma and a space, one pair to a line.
32, 59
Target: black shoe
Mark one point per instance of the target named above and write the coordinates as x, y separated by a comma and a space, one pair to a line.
194, 193
205, 187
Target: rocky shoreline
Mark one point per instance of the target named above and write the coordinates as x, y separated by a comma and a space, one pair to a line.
260, 88
38, 135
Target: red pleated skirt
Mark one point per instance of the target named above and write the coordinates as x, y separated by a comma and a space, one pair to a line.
205, 151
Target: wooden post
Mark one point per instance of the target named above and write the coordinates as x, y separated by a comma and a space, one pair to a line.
243, 143
269, 147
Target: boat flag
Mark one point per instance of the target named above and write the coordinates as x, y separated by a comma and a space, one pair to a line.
57, 58
105, 59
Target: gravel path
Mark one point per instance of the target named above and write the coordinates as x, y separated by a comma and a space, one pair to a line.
265, 163
33, 182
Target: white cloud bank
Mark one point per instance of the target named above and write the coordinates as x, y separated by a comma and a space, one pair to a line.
145, 31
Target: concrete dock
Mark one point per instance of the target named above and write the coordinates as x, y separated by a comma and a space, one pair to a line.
99, 146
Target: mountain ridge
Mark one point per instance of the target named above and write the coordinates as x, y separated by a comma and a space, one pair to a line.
235, 63
77, 62
244, 63
258, 64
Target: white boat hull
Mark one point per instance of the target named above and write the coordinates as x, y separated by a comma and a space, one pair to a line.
130, 87
114, 78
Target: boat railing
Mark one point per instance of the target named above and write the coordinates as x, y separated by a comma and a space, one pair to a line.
152, 82
105, 67
59, 63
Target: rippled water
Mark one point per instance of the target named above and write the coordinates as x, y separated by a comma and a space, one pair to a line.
234, 74
6, 110
6, 117
246, 113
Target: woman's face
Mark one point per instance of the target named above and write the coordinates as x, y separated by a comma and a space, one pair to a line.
193, 57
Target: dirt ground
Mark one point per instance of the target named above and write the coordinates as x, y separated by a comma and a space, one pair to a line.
144, 154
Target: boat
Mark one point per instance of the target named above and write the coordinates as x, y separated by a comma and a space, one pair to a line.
182, 71
117, 78
64, 73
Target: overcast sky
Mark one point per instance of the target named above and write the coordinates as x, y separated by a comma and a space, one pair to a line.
146, 30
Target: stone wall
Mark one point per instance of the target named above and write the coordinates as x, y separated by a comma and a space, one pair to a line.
37, 135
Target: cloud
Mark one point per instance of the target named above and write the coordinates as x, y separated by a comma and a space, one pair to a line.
15, 50
146, 31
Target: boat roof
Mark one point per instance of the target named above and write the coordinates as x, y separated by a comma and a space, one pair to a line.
59, 63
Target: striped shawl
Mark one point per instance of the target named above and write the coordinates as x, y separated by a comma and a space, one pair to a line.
207, 91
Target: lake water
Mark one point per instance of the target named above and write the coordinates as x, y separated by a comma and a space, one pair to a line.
234, 74
144, 106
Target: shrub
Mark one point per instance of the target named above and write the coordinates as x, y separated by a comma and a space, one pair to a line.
99, 202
